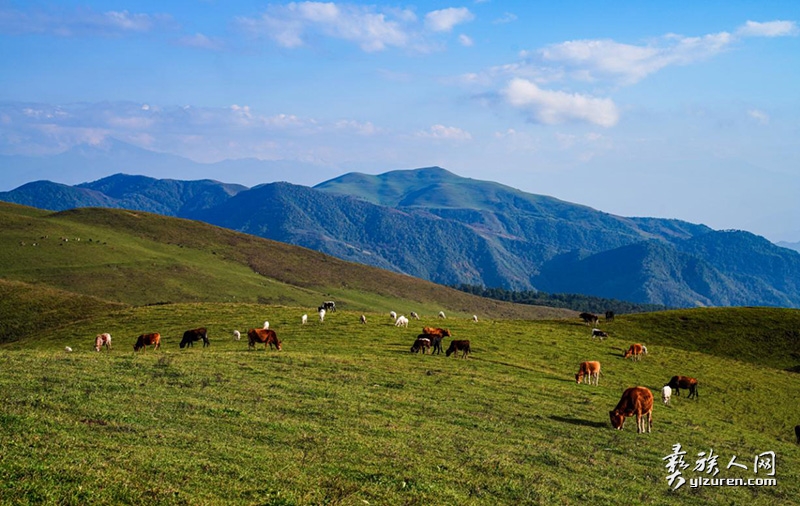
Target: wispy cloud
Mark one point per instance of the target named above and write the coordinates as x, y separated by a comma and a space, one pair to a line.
768, 29
465, 40
445, 132
445, 20
507, 17
759, 116
289, 25
81, 22
372, 28
556, 107
48, 129
201, 41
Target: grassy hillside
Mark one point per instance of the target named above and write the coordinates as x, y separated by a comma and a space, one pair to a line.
765, 336
141, 258
346, 415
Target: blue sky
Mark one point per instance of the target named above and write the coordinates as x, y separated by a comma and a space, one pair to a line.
686, 110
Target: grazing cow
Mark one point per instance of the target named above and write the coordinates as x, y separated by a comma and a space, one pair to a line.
599, 333
414, 315
666, 394
422, 343
266, 325
475, 318
635, 401
67, 349
636, 350
101, 340
441, 315
797, 433
458, 345
266, 336
144, 340
237, 335
194, 335
609, 316
392, 315
401, 321
589, 318
363, 319
437, 331
321, 315
687, 382
436, 342
590, 370
304, 319
329, 306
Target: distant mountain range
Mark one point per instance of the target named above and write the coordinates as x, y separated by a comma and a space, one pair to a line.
435, 225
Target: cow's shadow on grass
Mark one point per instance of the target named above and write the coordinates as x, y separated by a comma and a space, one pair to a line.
578, 421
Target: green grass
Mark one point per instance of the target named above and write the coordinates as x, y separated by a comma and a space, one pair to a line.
346, 415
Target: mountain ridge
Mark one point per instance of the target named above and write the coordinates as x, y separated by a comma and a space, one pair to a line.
433, 224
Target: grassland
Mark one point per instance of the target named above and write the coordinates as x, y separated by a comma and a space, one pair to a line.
345, 414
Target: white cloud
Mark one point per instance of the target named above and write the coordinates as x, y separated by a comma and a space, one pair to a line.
465, 40
768, 29
507, 17
201, 41
372, 30
81, 22
445, 19
759, 116
445, 132
628, 63
556, 107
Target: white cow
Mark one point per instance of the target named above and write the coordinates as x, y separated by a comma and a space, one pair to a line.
401, 321
666, 394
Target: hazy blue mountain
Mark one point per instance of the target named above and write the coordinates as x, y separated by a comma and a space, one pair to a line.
161, 196
114, 157
789, 245
433, 224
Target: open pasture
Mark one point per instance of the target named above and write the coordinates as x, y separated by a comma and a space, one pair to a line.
345, 414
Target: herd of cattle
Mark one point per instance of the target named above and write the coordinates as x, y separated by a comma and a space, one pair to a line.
636, 400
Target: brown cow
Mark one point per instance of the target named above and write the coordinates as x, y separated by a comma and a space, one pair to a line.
193, 335
458, 345
635, 401
636, 350
436, 331
687, 382
589, 369
102, 340
423, 343
266, 336
144, 340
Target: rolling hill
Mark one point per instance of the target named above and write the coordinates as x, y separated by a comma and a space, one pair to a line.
432, 224
125, 257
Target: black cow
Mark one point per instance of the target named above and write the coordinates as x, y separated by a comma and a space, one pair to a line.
609, 316
328, 306
678, 382
194, 335
589, 318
